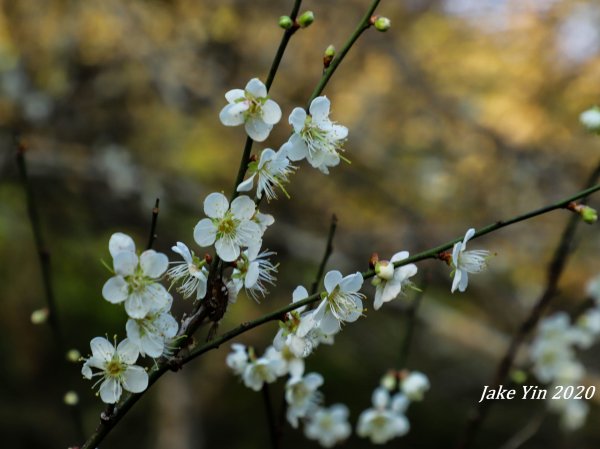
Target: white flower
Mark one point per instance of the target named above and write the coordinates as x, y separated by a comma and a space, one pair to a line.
265, 369
151, 333
253, 271
253, 108
273, 169
342, 303
135, 278
328, 425
191, 273
415, 385
593, 289
389, 280
228, 228
315, 137
465, 262
238, 359
591, 118
116, 367
573, 412
587, 329
302, 396
382, 422
263, 220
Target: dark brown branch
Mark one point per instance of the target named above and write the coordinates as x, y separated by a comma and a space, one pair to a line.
326, 254
153, 235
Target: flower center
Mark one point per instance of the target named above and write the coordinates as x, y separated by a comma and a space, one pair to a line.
227, 225
114, 368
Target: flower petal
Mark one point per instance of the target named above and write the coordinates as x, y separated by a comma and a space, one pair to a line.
329, 324
246, 186
154, 264
257, 129
227, 249
243, 207
183, 251
251, 275
352, 282
135, 379
332, 280
110, 391
102, 349
205, 232
319, 108
234, 95
456, 280
399, 256
233, 114
297, 149
271, 112
136, 307
120, 242
115, 290
127, 351
125, 263
256, 88
297, 119
216, 205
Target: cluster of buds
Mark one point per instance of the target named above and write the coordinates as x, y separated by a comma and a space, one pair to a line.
304, 20
588, 214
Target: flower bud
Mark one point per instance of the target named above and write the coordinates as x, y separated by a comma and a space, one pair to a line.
286, 22
305, 19
589, 215
389, 381
518, 376
384, 269
71, 398
328, 56
73, 355
382, 23
40, 316
591, 119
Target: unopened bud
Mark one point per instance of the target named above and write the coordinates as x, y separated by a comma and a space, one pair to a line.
382, 23
208, 258
389, 381
73, 355
591, 119
373, 260
384, 269
328, 56
589, 215
518, 376
71, 398
40, 316
286, 22
305, 19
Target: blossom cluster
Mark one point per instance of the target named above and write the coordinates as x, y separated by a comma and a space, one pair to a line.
553, 353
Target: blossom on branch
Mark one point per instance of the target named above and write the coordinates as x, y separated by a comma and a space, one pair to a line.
316, 137
191, 273
253, 108
272, 170
151, 333
328, 426
116, 369
389, 280
385, 420
465, 262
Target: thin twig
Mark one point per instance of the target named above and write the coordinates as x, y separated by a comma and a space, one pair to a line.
411, 319
153, 235
555, 269
326, 254
127, 402
273, 434
45, 265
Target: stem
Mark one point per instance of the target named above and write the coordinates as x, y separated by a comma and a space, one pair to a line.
337, 60
127, 402
153, 235
270, 416
328, 251
555, 269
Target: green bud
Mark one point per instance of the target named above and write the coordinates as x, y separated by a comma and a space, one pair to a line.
73, 355
40, 316
518, 376
389, 381
330, 51
306, 18
382, 23
71, 398
589, 215
286, 22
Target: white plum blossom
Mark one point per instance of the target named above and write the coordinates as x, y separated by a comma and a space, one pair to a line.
415, 385
341, 304
263, 221
316, 137
593, 289
265, 369
151, 333
385, 420
591, 119
116, 369
135, 280
253, 270
389, 280
272, 170
191, 273
253, 108
238, 359
229, 228
328, 426
465, 262
302, 396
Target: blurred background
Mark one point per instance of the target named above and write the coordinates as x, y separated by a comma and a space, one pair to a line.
464, 113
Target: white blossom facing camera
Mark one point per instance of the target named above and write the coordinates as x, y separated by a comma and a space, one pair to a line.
265, 369
116, 369
385, 420
253, 108
272, 170
316, 137
135, 281
342, 303
328, 426
191, 273
227, 227
415, 385
389, 280
465, 262
302, 396
151, 333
